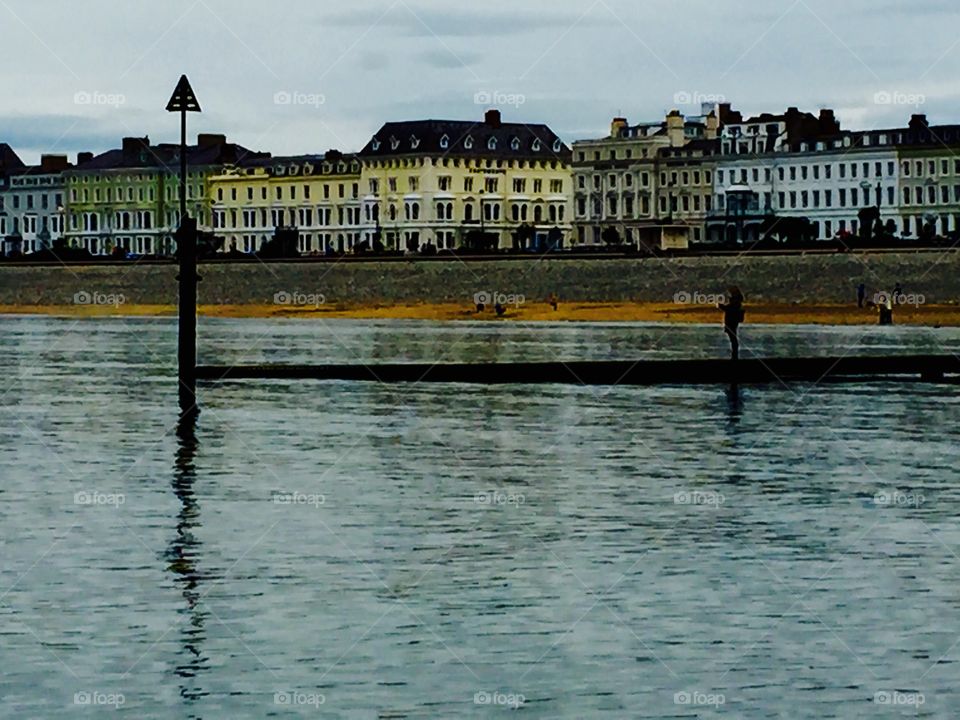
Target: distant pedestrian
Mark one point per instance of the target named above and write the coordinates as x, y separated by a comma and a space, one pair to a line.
500, 310
861, 294
897, 293
885, 307
733, 315
553, 301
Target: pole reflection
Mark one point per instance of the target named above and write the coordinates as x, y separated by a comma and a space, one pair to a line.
183, 556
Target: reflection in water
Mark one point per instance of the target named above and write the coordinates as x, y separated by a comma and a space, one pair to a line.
183, 555
734, 406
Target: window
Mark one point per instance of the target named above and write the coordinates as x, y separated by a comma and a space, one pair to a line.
444, 182
492, 144
445, 142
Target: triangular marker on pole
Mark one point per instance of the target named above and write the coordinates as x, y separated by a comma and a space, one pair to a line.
183, 99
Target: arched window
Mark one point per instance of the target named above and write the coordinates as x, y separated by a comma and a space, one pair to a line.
468, 212
468, 143
445, 142
492, 144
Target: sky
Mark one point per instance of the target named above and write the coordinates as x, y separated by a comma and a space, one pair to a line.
304, 76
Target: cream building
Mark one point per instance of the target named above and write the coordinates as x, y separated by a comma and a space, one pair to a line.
441, 185
317, 196
644, 177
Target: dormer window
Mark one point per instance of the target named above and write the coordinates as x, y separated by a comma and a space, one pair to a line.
515, 144
394, 143
468, 143
445, 142
537, 145
375, 145
492, 144
557, 145
414, 142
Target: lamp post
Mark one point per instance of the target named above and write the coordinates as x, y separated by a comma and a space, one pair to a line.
184, 101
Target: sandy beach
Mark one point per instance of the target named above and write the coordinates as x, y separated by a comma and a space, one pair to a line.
759, 313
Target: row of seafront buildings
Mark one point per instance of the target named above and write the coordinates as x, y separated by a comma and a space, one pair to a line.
486, 184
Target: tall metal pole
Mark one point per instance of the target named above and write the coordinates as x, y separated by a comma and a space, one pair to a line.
187, 248
184, 101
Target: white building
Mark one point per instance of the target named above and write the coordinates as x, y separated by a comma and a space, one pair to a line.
32, 206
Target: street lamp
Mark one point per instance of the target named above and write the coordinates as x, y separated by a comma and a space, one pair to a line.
184, 101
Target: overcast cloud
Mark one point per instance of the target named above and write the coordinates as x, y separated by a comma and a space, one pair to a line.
296, 76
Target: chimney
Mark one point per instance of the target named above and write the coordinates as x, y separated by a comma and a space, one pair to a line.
918, 122
617, 127
675, 127
209, 140
729, 116
84, 157
53, 163
828, 122
711, 126
132, 146
492, 118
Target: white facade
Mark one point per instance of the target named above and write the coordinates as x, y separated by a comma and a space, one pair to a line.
32, 208
827, 186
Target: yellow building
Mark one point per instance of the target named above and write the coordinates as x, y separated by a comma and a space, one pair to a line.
318, 196
441, 185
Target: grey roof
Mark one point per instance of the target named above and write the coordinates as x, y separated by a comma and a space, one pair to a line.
462, 138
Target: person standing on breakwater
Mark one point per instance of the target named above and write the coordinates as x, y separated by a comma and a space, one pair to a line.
733, 315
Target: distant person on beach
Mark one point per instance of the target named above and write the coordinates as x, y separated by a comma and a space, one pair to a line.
733, 315
553, 301
500, 310
885, 306
861, 294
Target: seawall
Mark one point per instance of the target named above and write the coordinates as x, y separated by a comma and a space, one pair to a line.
813, 278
